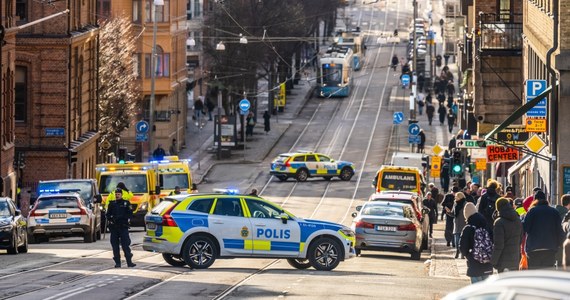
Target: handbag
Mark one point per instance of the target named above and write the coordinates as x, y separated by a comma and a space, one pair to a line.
523, 265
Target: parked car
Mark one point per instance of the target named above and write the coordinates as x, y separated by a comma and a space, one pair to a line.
13, 228
412, 199
387, 226
62, 214
527, 284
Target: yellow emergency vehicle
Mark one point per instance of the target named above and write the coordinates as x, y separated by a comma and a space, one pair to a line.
139, 178
173, 172
395, 178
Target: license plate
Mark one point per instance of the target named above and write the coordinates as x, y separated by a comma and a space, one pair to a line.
385, 228
57, 216
151, 226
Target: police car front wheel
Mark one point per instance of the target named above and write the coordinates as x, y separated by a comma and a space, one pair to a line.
302, 175
346, 174
300, 264
199, 252
324, 254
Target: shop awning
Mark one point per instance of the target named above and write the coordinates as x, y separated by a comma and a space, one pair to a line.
518, 113
519, 165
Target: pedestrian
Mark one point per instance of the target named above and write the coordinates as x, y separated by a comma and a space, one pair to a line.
210, 106
158, 153
486, 205
458, 218
509, 193
544, 235
173, 149
507, 235
253, 192
430, 203
422, 143
434, 191
518, 205
266, 124
442, 113
194, 189
563, 209
250, 123
444, 176
421, 103
440, 98
126, 194
528, 200
198, 108
566, 245
430, 110
176, 191
450, 120
118, 216
476, 245
447, 205
421, 82
450, 88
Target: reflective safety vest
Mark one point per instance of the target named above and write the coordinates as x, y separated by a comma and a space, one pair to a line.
126, 196
521, 211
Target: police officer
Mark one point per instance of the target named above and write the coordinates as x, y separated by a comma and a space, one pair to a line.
118, 215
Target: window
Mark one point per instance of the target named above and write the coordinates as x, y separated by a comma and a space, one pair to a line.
323, 158
21, 94
299, 158
137, 11
201, 205
197, 8
103, 9
228, 207
162, 11
162, 63
311, 157
260, 209
22, 10
137, 65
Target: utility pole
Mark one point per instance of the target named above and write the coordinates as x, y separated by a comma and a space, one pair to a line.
414, 64
153, 77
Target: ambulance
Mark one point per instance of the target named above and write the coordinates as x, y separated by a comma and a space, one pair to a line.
173, 172
139, 178
397, 178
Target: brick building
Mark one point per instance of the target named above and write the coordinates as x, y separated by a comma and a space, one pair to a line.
171, 72
55, 90
8, 174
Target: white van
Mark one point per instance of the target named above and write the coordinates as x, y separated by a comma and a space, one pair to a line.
406, 159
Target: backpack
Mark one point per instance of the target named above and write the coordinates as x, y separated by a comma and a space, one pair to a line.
482, 245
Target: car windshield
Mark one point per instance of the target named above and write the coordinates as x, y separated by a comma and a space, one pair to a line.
4, 210
383, 211
82, 187
169, 181
399, 181
58, 202
136, 183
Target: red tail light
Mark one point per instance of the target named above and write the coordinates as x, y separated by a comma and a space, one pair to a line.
407, 227
167, 219
33, 213
287, 162
82, 212
362, 224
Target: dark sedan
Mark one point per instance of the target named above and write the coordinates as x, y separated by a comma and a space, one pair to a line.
13, 228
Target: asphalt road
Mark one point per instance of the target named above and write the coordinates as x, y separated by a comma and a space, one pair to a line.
356, 129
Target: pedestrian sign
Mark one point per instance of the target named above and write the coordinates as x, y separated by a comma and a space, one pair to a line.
398, 117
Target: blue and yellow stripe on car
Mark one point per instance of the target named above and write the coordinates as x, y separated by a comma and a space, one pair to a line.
263, 245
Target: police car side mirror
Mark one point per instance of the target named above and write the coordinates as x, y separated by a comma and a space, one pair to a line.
354, 214
284, 217
97, 199
359, 207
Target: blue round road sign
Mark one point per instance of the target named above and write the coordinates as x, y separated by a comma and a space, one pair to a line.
406, 79
414, 129
142, 126
398, 117
244, 104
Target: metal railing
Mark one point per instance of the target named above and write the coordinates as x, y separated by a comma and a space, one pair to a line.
500, 32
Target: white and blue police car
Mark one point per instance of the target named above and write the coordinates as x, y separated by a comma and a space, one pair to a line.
197, 229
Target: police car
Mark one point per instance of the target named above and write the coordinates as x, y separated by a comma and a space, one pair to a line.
305, 164
62, 213
197, 229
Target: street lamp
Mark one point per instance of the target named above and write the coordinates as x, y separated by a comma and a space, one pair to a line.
153, 76
242, 39
220, 46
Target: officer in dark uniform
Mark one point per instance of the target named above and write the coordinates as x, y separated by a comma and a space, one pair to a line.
118, 214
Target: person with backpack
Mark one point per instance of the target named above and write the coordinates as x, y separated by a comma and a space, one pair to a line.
447, 205
486, 204
458, 219
544, 235
476, 244
507, 235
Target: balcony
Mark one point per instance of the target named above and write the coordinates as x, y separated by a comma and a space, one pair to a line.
500, 34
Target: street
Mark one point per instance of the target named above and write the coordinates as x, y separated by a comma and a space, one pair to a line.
358, 129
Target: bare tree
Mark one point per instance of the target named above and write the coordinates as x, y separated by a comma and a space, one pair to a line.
119, 89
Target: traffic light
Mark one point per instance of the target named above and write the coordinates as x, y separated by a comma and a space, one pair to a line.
425, 162
122, 153
72, 157
457, 164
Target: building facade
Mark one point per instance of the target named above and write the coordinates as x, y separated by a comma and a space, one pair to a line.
55, 90
171, 75
8, 170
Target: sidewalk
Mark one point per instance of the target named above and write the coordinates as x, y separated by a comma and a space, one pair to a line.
200, 135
